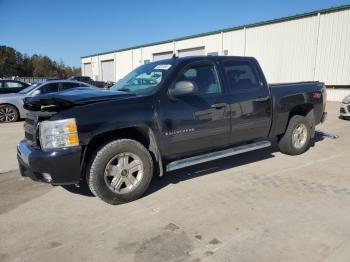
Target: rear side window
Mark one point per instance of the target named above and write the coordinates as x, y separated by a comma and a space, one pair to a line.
50, 88
241, 76
13, 84
65, 86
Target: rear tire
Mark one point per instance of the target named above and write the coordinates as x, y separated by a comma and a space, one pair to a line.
120, 172
8, 114
296, 139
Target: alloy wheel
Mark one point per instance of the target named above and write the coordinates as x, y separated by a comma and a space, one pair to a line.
299, 136
7, 114
123, 173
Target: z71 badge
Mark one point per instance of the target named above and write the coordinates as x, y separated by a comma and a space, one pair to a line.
178, 132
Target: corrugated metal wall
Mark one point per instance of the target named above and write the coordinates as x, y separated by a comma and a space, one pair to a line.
286, 51
315, 47
333, 52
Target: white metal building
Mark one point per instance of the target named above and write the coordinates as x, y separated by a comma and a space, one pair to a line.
305, 47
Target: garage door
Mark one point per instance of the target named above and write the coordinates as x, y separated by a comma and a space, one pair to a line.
107, 68
192, 52
88, 69
161, 56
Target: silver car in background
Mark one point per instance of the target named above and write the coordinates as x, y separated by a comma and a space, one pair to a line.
11, 105
345, 108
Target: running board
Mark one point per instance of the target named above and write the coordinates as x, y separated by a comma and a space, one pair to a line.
216, 155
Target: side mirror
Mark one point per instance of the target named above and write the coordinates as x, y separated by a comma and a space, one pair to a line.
183, 88
36, 92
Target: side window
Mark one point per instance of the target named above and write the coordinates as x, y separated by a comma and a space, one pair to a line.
65, 86
13, 85
205, 77
241, 75
49, 88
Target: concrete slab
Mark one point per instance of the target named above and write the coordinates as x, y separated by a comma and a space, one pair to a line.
10, 135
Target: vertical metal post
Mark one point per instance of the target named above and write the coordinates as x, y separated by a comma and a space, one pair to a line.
317, 44
245, 41
222, 43
132, 59
115, 66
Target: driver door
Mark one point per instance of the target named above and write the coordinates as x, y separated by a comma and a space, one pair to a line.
196, 123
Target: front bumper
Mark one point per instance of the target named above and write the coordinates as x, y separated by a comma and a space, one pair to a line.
345, 110
63, 166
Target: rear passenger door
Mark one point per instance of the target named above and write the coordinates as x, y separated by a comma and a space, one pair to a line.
249, 99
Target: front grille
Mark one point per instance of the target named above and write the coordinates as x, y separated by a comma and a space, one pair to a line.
30, 129
348, 108
342, 110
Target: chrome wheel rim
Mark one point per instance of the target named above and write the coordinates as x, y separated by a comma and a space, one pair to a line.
299, 136
7, 114
123, 173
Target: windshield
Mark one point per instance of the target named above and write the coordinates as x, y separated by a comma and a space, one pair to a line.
28, 89
143, 79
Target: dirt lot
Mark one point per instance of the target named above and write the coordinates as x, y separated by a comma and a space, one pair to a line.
260, 206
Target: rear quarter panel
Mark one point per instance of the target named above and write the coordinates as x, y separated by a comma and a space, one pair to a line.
286, 97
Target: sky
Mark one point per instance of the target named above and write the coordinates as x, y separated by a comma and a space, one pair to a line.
69, 29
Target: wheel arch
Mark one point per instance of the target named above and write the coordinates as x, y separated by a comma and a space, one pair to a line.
301, 110
142, 134
306, 110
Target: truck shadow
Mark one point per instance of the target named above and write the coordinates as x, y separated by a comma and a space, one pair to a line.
203, 169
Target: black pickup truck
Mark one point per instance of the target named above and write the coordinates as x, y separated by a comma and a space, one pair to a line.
161, 117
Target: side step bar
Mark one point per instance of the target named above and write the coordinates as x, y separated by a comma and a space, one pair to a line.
216, 155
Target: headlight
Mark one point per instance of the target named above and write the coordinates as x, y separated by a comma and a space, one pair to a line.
58, 134
346, 100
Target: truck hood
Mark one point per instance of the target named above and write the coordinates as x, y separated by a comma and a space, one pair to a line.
70, 98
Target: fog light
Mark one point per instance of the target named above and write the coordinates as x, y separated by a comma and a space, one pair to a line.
47, 177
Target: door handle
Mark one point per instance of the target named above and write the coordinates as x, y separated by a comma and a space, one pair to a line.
219, 105
262, 99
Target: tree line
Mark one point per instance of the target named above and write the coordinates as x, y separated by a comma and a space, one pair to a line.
14, 63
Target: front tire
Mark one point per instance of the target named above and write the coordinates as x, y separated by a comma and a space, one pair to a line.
8, 114
120, 172
296, 139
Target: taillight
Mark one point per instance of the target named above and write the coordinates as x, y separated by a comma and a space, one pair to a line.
324, 94
316, 95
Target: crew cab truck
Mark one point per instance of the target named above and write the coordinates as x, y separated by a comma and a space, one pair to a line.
164, 116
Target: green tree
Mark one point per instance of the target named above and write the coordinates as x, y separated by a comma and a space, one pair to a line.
14, 63
8, 63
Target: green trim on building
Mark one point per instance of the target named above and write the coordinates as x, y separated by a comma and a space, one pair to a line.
267, 22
